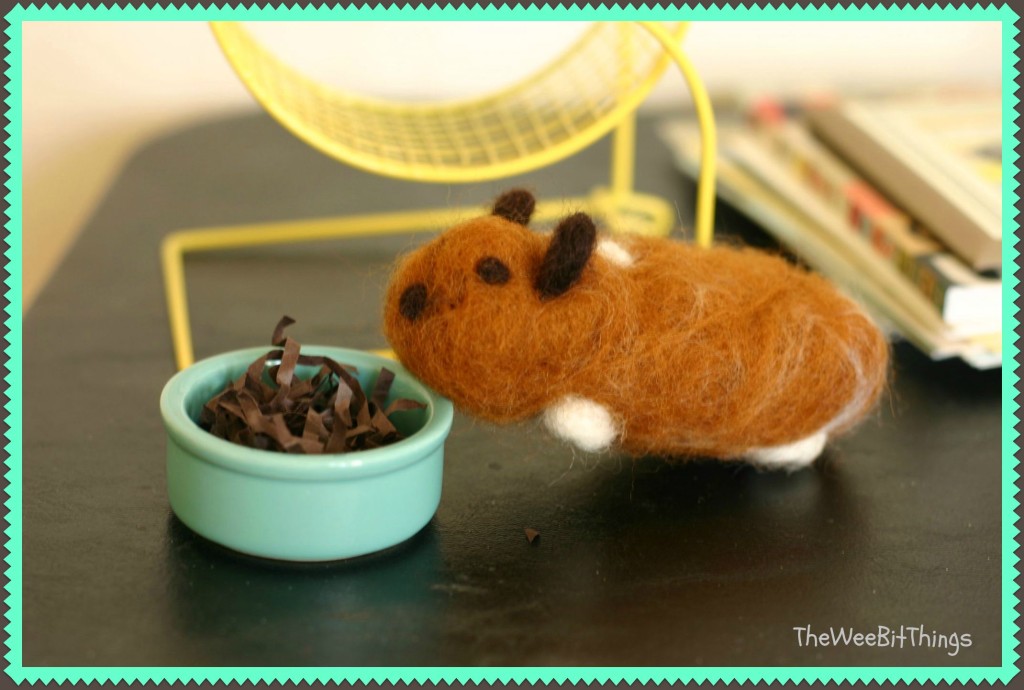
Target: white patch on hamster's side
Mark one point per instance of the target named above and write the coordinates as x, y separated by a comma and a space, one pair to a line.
792, 456
853, 407
584, 423
864, 386
614, 252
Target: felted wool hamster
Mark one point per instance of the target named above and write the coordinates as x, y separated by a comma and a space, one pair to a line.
649, 345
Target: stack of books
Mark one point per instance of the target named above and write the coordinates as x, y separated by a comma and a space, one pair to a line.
897, 200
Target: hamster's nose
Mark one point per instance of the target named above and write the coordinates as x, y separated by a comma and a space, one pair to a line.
413, 301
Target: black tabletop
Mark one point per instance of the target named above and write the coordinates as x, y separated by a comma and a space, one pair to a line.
638, 563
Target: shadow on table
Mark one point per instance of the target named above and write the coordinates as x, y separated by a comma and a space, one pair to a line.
375, 609
646, 563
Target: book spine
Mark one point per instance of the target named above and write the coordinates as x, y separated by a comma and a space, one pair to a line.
888, 231
860, 141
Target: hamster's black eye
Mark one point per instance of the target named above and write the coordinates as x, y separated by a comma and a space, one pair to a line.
412, 301
492, 271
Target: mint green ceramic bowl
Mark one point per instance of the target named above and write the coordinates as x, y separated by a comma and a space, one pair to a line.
302, 507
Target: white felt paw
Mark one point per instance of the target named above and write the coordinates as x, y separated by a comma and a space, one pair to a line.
584, 423
614, 252
791, 456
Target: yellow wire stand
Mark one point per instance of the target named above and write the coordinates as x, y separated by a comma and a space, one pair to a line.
591, 90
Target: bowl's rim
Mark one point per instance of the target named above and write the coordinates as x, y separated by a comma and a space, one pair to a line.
267, 463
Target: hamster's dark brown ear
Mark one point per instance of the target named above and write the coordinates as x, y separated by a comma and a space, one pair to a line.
515, 205
571, 245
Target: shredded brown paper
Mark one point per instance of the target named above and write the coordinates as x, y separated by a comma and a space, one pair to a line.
328, 413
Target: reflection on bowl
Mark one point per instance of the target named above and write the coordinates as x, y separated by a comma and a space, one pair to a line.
302, 507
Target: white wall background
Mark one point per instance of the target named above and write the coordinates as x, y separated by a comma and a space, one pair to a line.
93, 91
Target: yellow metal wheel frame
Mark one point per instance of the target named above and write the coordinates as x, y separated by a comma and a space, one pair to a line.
594, 88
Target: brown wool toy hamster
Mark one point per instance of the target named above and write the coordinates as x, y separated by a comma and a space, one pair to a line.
648, 345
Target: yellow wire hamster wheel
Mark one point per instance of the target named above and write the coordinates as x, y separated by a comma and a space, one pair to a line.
591, 89
576, 99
